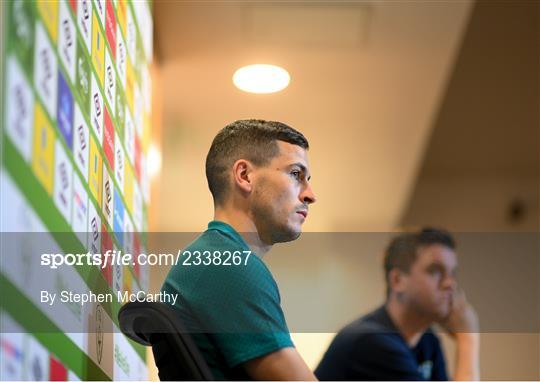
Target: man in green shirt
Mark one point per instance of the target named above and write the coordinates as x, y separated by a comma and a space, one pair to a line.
258, 174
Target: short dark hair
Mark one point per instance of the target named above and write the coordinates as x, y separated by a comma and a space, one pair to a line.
402, 251
252, 139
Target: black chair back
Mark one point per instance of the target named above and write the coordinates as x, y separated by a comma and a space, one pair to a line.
158, 325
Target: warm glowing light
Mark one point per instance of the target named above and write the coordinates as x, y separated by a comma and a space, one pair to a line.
261, 78
154, 161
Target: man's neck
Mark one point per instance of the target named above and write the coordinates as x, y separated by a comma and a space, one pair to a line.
410, 324
245, 226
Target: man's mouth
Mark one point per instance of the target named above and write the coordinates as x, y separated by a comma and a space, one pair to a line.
303, 213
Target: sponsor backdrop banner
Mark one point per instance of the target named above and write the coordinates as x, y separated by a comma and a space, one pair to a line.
75, 133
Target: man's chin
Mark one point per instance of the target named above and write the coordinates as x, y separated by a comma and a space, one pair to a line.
286, 235
435, 313
442, 313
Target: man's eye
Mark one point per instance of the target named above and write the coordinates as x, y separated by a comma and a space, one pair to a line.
435, 276
296, 174
436, 272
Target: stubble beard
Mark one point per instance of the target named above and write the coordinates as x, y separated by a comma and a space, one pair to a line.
271, 230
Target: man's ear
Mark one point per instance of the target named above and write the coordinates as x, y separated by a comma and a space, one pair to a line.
242, 175
397, 280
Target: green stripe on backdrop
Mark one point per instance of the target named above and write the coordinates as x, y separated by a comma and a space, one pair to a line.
44, 206
41, 327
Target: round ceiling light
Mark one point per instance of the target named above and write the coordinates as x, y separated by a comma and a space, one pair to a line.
261, 78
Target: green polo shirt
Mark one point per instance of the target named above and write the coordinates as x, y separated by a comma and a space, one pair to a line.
231, 308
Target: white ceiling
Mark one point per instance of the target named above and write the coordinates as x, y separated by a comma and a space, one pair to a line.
366, 82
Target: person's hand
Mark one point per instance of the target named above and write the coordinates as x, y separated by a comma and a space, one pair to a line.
462, 324
462, 317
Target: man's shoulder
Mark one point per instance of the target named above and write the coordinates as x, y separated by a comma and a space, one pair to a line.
370, 331
376, 331
216, 263
375, 321
358, 348
371, 348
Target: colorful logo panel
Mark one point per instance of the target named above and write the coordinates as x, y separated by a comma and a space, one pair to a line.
121, 58
128, 188
108, 139
48, 11
63, 173
84, 20
100, 8
118, 225
82, 80
43, 153
110, 81
108, 196
95, 171
98, 50
119, 164
94, 229
20, 109
79, 216
67, 41
110, 28
81, 142
22, 31
96, 110
65, 110
45, 70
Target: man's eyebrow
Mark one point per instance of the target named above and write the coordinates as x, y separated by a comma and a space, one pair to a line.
302, 168
441, 267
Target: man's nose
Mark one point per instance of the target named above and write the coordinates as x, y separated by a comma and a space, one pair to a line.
307, 196
449, 282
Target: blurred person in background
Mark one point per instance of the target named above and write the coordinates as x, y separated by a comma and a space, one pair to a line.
395, 342
258, 174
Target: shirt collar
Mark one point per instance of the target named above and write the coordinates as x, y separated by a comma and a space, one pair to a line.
227, 229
